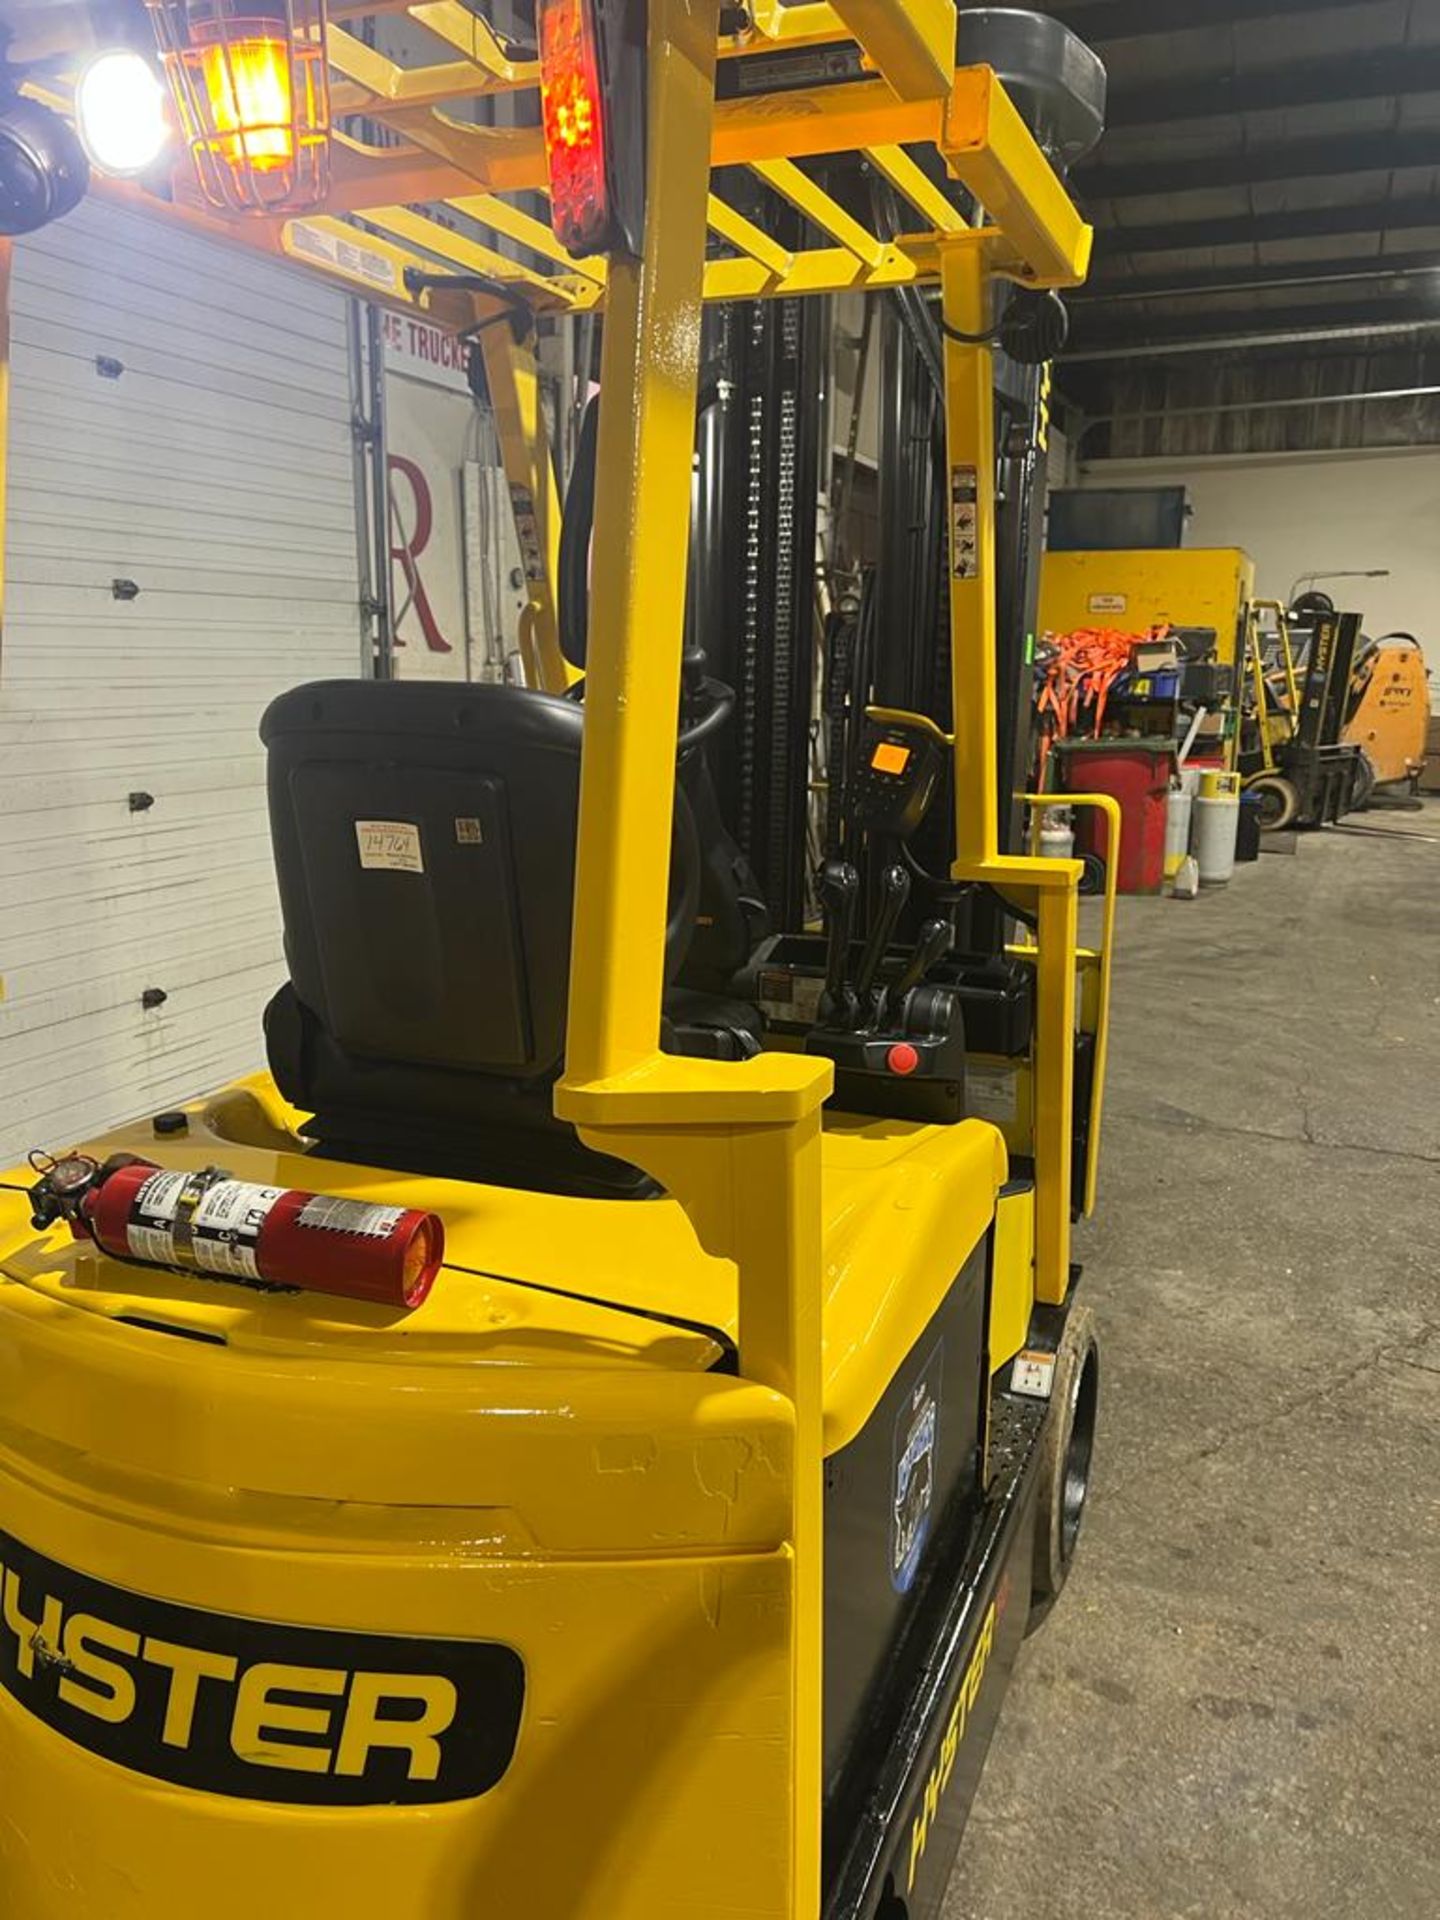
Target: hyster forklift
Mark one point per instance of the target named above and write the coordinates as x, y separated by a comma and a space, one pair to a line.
1293, 711
586, 1432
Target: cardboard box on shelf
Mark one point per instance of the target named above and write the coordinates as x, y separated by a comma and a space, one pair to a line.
1154, 656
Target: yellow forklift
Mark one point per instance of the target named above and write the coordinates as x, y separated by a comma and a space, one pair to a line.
564, 1442
1291, 748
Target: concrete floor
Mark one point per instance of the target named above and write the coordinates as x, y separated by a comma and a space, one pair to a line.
1235, 1710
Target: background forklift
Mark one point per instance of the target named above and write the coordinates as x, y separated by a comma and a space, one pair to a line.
1291, 750
595, 1444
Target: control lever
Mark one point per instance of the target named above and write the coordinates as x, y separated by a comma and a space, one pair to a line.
840, 895
894, 892
931, 948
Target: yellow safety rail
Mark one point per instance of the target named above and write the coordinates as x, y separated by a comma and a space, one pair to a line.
1094, 966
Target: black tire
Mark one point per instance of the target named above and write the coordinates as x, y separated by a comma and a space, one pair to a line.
1279, 801
1362, 790
1093, 879
1065, 1471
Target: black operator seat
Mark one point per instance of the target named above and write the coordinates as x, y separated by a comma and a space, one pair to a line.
424, 837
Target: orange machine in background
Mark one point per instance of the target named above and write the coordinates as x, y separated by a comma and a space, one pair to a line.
1390, 713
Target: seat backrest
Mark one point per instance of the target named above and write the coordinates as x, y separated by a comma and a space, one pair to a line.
424, 839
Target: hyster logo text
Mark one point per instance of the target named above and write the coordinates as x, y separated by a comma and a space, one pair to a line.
251, 1708
951, 1741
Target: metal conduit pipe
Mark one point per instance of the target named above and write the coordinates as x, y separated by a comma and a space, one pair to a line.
1139, 414
1223, 343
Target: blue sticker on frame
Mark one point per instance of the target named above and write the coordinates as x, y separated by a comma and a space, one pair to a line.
912, 1493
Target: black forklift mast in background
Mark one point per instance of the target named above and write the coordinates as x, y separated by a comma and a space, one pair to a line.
753, 573
760, 469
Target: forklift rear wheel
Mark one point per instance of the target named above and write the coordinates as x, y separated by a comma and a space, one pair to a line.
1366, 780
1279, 802
1092, 880
1065, 1472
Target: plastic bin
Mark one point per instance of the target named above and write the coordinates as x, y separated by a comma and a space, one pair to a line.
1137, 775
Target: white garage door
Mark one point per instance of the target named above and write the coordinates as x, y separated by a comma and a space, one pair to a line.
181, 547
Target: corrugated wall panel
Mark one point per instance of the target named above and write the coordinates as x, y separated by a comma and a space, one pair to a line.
215, 473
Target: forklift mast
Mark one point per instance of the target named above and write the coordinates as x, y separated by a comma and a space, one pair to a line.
752, 570
752, 608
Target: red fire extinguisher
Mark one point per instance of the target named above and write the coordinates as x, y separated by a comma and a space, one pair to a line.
204, 1222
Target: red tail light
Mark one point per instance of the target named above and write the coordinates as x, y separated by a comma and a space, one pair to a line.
592, 96
574, 116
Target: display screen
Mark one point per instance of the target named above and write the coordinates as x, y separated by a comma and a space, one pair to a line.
890, 757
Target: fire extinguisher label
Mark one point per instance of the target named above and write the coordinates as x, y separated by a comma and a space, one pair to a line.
177, 1220
351, 1216
151, 1231
226, 1228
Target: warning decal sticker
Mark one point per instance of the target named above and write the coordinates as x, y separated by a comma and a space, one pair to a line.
351, 1216
965, 523
329, 248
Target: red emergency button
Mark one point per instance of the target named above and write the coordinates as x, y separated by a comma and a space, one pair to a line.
902, 1058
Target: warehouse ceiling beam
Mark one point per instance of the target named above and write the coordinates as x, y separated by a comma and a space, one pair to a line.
1205, 281
1297, 403
1291, 223
1390, 72
1133, 19
1231, 331
1297, 160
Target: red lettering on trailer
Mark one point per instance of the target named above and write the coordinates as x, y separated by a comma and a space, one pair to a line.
406, 549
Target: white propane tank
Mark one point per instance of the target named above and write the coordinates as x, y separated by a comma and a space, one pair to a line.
1217, 822
1057, 834
1179, 812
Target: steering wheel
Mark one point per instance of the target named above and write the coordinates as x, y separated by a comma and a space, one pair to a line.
719, 704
